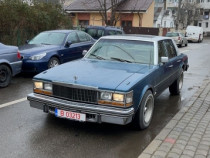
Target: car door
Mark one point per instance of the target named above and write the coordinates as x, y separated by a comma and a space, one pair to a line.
164, 71
85, 42
174, 61
71, 52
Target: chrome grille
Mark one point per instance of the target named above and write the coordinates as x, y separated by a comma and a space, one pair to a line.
75, 94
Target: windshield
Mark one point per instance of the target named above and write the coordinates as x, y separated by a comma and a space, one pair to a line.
49, 38
123, 51
95, 33
172, 34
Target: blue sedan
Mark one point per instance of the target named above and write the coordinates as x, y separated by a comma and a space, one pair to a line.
51, 48
10, 63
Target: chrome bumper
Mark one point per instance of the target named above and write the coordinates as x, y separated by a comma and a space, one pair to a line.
94, 113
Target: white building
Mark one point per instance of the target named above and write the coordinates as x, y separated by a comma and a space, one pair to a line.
163, 18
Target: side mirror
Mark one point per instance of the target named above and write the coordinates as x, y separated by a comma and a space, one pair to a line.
84, 52
27, 41
164, 60
68, 43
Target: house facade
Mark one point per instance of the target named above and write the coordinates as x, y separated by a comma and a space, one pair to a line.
132, 13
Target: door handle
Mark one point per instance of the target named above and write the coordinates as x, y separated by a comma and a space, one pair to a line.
170, 66
178, 61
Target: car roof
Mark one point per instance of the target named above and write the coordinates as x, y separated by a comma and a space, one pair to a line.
136, 37
105, 27
61, 31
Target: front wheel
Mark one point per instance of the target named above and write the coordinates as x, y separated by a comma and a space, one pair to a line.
5, 76
144, 114
176, 87
53, 62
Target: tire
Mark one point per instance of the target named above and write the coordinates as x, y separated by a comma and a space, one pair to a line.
144, 114
186, 44
5, 76
176, 87
53, 62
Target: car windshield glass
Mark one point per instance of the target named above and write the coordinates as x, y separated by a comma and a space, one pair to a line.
172, 34
49, 38
95, 33
130, 51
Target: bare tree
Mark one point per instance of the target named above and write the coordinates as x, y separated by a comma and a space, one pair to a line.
189, 14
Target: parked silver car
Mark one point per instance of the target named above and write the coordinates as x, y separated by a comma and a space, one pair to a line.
178, 37
10, 63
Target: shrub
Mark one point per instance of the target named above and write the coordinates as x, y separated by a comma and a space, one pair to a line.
20, 21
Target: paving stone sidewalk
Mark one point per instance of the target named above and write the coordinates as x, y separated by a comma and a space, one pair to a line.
187, 135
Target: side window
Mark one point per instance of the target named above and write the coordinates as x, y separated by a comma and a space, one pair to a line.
170, 49
82, 36
119, 32
161, 50
88, 37
111, 32
73, 37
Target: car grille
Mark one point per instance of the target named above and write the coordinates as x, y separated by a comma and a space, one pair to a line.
75, 94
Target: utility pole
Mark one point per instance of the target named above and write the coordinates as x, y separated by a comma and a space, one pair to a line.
178, 14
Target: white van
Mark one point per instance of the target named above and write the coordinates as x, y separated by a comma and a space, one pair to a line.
194, 33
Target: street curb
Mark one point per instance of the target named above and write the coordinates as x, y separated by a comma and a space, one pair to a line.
167, 137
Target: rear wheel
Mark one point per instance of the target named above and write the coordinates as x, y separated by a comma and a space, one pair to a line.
5, 75
176, 87
53, 62
144, 114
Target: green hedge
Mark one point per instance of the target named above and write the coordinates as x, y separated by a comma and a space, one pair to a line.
19, 21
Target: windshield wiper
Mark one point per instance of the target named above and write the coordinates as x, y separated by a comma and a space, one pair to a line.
45, 43
122, 60
98, 57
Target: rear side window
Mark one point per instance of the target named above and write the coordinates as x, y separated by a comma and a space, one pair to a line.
172, 34
111, 32
171, 51
118, 32
161, 50
95, 33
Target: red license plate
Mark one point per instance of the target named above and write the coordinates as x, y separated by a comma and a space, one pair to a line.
70, 115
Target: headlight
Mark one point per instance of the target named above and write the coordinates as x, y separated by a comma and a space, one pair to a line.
118, 97
38, 85
38, 57
48, 86
106, 96
42, 88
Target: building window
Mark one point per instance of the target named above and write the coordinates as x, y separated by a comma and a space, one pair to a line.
83, 22
199, 24
207, 24
164, 23
208, 0
126, 23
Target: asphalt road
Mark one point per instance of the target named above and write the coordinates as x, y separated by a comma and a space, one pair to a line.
28, 133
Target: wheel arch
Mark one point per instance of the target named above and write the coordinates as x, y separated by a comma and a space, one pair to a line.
7, 64
145, 89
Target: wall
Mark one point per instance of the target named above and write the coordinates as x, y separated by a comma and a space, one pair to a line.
95, 19
148, 17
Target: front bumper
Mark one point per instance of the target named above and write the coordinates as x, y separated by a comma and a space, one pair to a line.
30, 66
94, 113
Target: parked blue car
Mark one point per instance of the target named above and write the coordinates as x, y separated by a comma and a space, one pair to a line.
51, 48
116, 82
10, 63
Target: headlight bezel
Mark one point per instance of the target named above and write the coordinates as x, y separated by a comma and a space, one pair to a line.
42, 89
126, 99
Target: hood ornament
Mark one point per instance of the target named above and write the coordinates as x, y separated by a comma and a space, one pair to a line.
75, 78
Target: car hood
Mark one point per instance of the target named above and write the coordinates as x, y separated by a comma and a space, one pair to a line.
33, 49
107, 75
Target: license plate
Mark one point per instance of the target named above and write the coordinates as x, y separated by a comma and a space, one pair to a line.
70, 115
